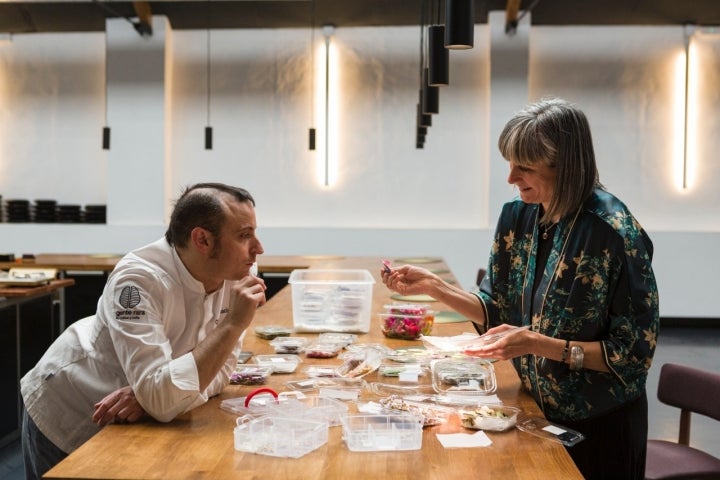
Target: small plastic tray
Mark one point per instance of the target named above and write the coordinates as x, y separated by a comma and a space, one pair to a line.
543, 428
398, 370
293, 345
494, 418
270, 332
320, 349
372, 433
463, 376
279, 436
431, 414
250, 375
359, 364
280, 362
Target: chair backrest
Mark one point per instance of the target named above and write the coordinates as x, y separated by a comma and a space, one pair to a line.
691, 390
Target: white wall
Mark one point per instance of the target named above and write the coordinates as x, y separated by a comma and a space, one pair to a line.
391, 199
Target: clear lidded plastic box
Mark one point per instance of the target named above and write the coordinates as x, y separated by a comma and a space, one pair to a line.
279, 436
331, 300
377, 432
463, 376
494, 418
279, 362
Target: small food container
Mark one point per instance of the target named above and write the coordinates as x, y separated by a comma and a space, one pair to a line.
407, 308
358, 364
343, 339
494, 418
430, 413
272, 331
373, 432
320, 349
289, 344
398, 370
406, 327
463, 376
280, 362
250, 375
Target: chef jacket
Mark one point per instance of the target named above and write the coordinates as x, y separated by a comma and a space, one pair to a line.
150, 317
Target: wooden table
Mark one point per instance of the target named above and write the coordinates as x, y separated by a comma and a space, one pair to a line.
199, 444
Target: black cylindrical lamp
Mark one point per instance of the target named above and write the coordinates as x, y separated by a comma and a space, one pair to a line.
459, 24
430, 96
208, 138
423, 119
438, 57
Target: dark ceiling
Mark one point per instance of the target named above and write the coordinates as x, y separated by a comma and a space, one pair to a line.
82, 16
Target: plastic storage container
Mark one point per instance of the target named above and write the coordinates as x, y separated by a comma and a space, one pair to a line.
279, 436
331, 300
494, 418
372, 432
406, 327
463, 376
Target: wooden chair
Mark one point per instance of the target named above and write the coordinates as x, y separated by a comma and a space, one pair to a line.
691, 390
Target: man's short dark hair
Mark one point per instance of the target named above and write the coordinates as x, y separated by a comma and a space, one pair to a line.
202, 205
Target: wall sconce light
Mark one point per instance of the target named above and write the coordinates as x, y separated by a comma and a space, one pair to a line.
459, 24
687, 34
327, 109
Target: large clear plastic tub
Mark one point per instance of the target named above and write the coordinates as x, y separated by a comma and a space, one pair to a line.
331, 300
279, 436
372, 432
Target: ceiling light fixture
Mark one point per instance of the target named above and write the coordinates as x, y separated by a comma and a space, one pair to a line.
459, 24
312, 132
438, 55
208, 128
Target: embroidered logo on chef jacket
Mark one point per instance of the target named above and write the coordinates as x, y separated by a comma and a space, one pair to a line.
129, 299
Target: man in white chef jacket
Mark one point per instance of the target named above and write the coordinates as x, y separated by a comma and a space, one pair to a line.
167, 332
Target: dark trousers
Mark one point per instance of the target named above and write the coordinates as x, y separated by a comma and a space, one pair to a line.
39, 453
615, 443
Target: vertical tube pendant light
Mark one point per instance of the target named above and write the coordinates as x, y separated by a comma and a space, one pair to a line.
431, 95
438, 57
312, 132
423, 119
208, 128
106, 129
459, 24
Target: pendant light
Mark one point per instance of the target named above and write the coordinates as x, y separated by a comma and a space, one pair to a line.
312, 133
106, 128
423, 119
459, 24
431, 95
208, 128
438, 55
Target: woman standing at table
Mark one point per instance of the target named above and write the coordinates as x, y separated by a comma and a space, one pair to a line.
570, 261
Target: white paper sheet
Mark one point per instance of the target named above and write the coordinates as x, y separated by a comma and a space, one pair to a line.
464, 440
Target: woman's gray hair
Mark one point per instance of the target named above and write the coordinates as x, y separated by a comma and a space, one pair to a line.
555, 133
